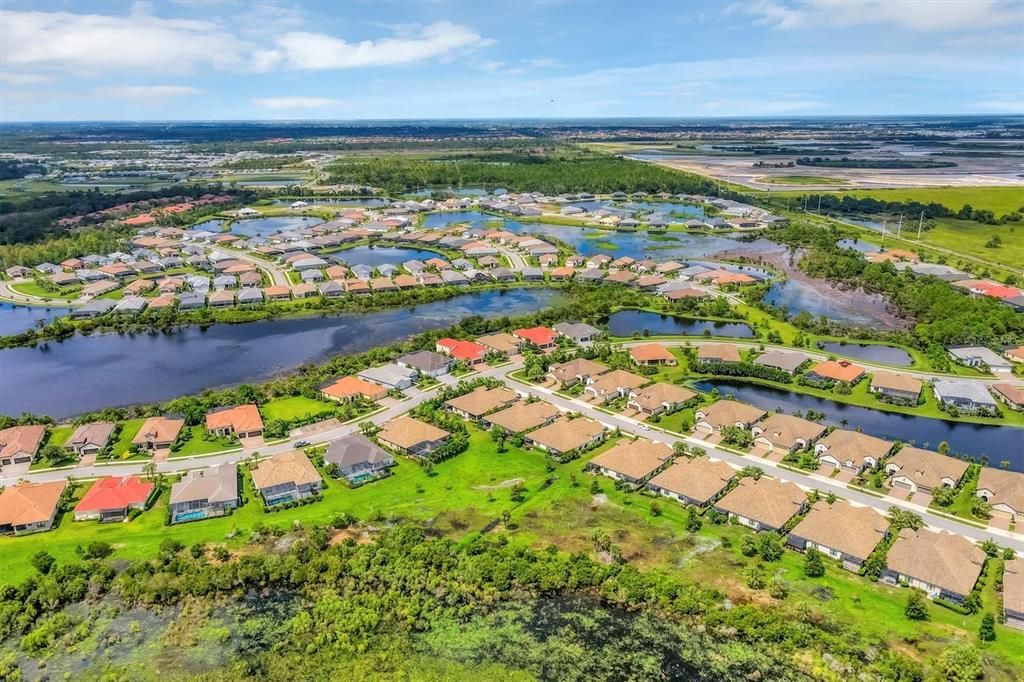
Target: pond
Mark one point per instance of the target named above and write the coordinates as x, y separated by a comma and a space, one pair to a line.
215, 225
872, 352
364, 202
15, 319
379, 255
821, 299
262, 227
998, 443
857, 245
625, 322
282, 182
93, 372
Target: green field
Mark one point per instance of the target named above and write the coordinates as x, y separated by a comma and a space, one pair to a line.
1000, 200
198, 445
31, 288
295, 407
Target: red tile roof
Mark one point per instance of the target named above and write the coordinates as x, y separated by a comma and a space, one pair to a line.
469, 351
115, 492
540, 336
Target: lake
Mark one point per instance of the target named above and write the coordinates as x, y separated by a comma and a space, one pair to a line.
364, 202
973, 440
822, 299
872, 352
15, 319
87, 373
625, 322
379, 255
262, 227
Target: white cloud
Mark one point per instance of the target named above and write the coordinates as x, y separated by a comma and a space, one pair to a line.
294, 102
302, 50
148, 92
917, 15
23, 78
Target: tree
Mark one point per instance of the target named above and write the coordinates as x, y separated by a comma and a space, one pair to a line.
960, 663
769, 546
917, 608
149, 469
987, 630
679, 448
943, 496
43, 561
814, 565
693, 521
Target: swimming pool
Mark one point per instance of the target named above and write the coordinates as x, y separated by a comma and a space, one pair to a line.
190, 516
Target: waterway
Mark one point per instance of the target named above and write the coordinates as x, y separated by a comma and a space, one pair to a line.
262, 227
625, 322
872, 352
363, 202
997, 443
86, 373
379, 255
15, 319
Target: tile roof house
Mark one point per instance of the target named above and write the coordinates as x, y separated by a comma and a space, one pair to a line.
724, 413
566, 436
89, 439
942, 564
568, 373
460, 350
204, 493
112, 498
851, 450
613, 384
357, 458
786, 433
763, 504
697, 481
286, 477
501, 343
786, 361
30, 507
966, 396
1004, 490
158, 433
542, 337
841, 530
915, 469
1013, 593
652, 354
718, 352
522, 416
481, 401
1011, 394
657, 398
243, 421
631, 461
348, 388
412, 436
842, 371
426, 363
19, 444
903, 388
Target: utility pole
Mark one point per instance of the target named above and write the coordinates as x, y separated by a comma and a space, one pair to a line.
883, 231
819, 204
805, 203
899, 228
920, 223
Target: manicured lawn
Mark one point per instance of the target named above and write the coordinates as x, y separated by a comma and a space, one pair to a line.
295, 407
129, 429
59, 434
30, 288
1000, 200
198, 445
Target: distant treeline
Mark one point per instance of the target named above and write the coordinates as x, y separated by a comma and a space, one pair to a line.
12, 170
846, 162
831, 203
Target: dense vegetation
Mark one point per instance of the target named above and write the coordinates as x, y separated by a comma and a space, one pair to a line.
846, 162
867, 205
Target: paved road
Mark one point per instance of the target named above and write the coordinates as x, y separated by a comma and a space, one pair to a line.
275, 272
415, 396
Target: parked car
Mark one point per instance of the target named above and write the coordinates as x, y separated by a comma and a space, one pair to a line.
300, 444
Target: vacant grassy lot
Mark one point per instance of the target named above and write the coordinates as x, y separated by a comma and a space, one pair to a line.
999, 200
197, 444
295, 407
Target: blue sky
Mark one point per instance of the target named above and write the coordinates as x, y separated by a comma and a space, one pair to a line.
211, 59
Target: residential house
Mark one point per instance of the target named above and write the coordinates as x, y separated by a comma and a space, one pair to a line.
785, 361
1004, 490
835, 371
965, 396
722, 413
1013, 593
412, 436
697, 481
851, 450
632, 461
158, 433
916, 470
113, 498
482, 400
426, 363
718, 352
786, 433
243, 421
566, 374
896, 387
470, 352
30, 507
945, 565
613, 384
841, 530
979, 356
90, 439
349, 388
1011, 394
578, 332
652, 354
763, 504
500, 343
564, 436
19, 444
391, 375
357, 458
522, 416
1014, 354
542, 337
204, 493
286, 477
658, 398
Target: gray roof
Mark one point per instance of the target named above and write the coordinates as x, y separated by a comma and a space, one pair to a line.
784, 360
131, 304
502, 273
250, 296
966, 390
425, 361
591, 273
453, 277
215, 484
355, 449
981, 353
576, 330
388, 375
94, 307
191, 300
532, 272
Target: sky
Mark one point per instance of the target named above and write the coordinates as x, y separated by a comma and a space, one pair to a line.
375, 59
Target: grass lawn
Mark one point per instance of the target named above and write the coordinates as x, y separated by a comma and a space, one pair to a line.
31, 288
1000, 200
59, 434
129, 429
295, 407
969, 237
198, 445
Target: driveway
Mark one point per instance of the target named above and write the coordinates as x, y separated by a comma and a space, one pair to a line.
921, 498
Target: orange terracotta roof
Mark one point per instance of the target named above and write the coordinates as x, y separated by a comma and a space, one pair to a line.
241, 418
115, 492
838, 370
651, 352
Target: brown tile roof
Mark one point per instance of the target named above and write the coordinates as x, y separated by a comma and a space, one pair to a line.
896, 381
1012, 393
158, 430
1007, 487
1013, 585
925, 467
724, 352
651, 352
406, 281
616, 379
689, 292
945, 560
288, 467
483, 399
17, 440
28, 503
576, 368
406, 432
843, 527
620, 277
766, 500
523, 416
785, 430
698, 479
241, 418
654, 396
503, 343
278, 291
729, 412
635, 459
565, 435
301, 290
854, 446
350, 387
95, 433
